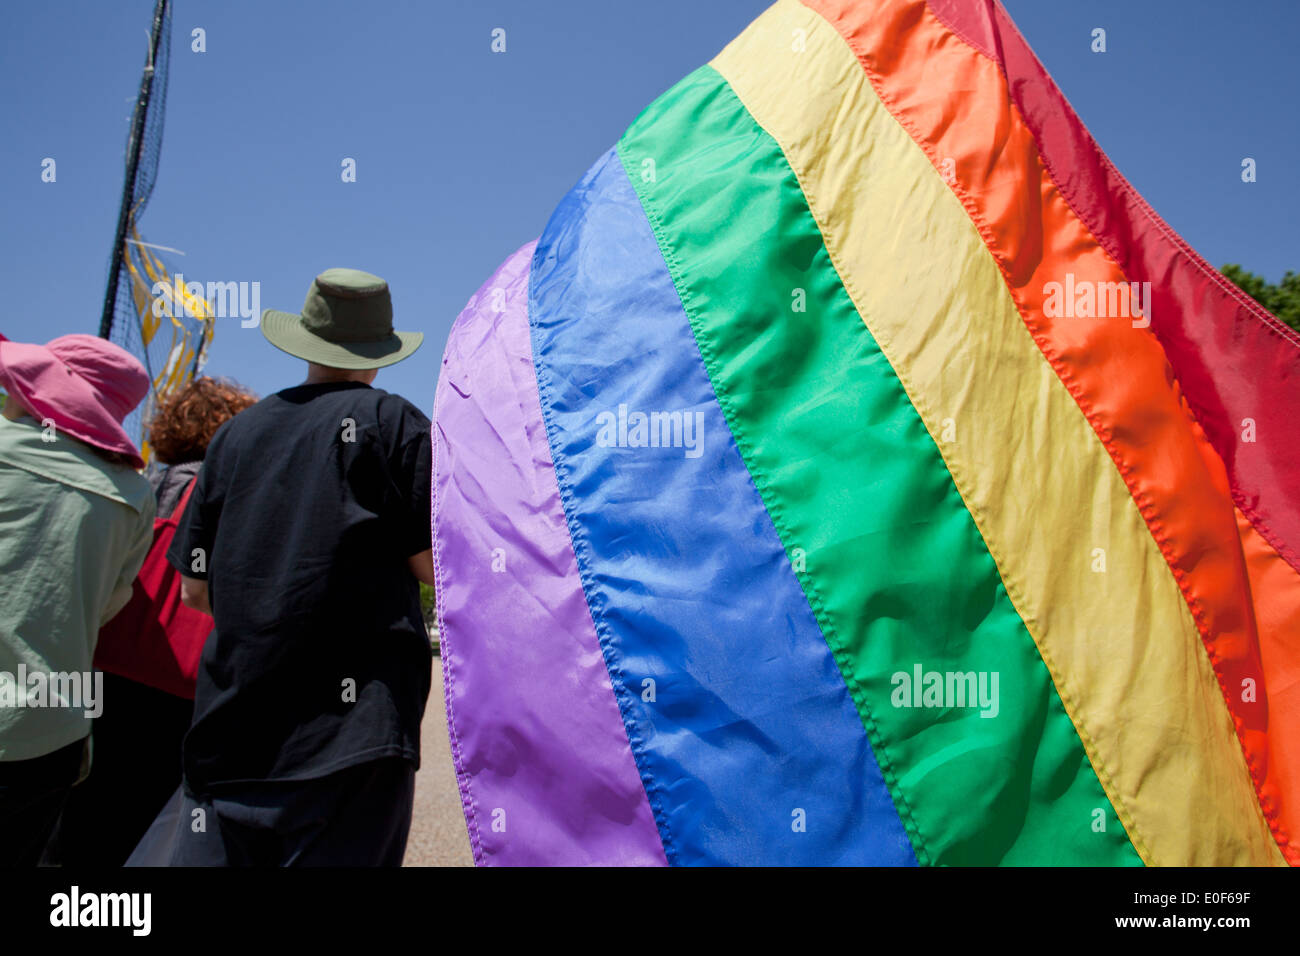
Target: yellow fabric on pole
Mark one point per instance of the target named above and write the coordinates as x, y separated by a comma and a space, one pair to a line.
191, 320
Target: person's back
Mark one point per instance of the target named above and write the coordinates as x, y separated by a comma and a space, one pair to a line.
304, 537
75, 524
305, 518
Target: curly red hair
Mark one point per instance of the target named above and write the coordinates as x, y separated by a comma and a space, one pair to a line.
183, 425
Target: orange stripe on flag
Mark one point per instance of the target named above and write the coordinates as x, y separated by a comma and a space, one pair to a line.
954, 103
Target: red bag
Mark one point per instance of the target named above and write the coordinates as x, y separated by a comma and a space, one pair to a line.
156, 640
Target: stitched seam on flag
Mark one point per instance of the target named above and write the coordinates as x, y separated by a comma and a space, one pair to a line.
1286, 553
1110, 246
468, 804
613, 661
760, 482
1291, 556
1017, 596
1261, 314
970, 41
655, 228
1014, 592
1110, 250
1271, 323
1267, 809
1195, 408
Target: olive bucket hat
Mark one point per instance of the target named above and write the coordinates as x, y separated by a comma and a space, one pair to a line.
346, 322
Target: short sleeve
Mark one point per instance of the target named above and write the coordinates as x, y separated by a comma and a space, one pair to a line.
196, 529
141, 542
416, 482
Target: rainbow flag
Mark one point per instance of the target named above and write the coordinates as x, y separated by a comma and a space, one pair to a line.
858, 471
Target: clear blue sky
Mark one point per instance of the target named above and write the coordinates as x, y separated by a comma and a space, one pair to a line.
463, 153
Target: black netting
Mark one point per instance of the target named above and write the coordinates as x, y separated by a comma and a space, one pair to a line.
152, 102
155, 110
171, 346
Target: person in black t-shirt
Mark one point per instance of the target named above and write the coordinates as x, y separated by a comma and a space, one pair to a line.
305, 537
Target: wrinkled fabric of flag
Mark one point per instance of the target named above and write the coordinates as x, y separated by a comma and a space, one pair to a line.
858, 471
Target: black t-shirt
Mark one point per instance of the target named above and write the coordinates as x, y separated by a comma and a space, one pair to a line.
307, 507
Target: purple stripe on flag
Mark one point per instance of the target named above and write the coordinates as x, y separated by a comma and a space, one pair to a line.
545, 771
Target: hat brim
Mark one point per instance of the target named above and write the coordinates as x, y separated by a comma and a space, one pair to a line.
77, 411
285, 331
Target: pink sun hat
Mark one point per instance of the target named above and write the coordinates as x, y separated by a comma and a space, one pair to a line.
84, 384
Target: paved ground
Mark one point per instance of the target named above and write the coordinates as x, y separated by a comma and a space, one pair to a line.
438, 836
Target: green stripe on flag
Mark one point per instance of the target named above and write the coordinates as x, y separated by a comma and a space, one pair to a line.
889, 558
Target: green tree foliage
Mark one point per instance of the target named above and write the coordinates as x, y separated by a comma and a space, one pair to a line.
1283, 299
